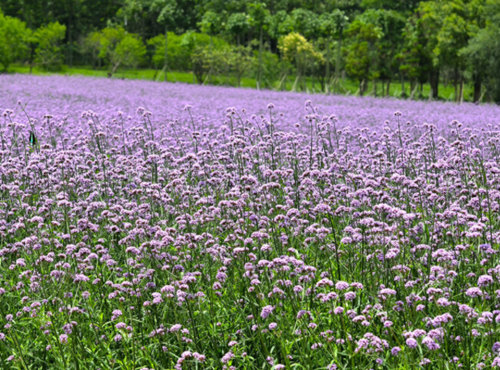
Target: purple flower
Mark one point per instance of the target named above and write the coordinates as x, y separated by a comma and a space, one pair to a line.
484, 280
412, 343
341, 285
474, 292
266, 311
430, 343
395, 351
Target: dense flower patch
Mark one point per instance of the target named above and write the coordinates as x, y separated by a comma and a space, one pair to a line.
281, 235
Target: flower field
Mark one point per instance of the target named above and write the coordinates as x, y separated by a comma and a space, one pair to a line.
161, 226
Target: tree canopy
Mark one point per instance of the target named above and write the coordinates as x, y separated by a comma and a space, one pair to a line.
374, 42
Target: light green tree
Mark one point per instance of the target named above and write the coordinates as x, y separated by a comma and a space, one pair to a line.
120, 48
300, 52
49, 50
13, 40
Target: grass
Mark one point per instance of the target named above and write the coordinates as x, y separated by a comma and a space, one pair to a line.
344, 87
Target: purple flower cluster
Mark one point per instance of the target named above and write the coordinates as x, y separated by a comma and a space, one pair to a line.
186, 234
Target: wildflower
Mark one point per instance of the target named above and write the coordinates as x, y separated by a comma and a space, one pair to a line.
395, 351
266, 311
412, 343
341, 285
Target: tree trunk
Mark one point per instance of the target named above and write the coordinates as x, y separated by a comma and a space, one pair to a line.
165, 63
361, 87
434, 82
403, 92
259, 70
327, 66
413, 89
461, 91
209, 74
337, 59
455, 84
388, 91
477, 87
374, 87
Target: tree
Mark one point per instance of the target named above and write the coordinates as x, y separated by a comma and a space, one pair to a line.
296, 49
387, 45
119, 48
91, 46
429, 21
451, 38
49, 50
167, 12
306, 22
211, 25
361, 53
332, 25
13, 40
402, 6
415, 62
238, 24
201, 49
150, 17
259, 19
483, 52
239, 60
178, 56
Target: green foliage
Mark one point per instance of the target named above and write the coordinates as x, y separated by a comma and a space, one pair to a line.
297, 50
13, 40
205, 53
237, 25
306, 22
210, 23
91, 45
49, 50
280, 24
118, 48
417, 41
483, 50
177, 53
129, 52
332, 24
361, 52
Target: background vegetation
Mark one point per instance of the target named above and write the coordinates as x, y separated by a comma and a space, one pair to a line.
430, 49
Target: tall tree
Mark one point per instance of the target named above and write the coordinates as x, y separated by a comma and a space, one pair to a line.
361, 52
332, 26
259, 19
429, 20
483, 52
301, 53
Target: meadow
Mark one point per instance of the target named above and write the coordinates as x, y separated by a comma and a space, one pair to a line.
149, 225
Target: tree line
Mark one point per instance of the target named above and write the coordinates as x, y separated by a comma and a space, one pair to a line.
374, 42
